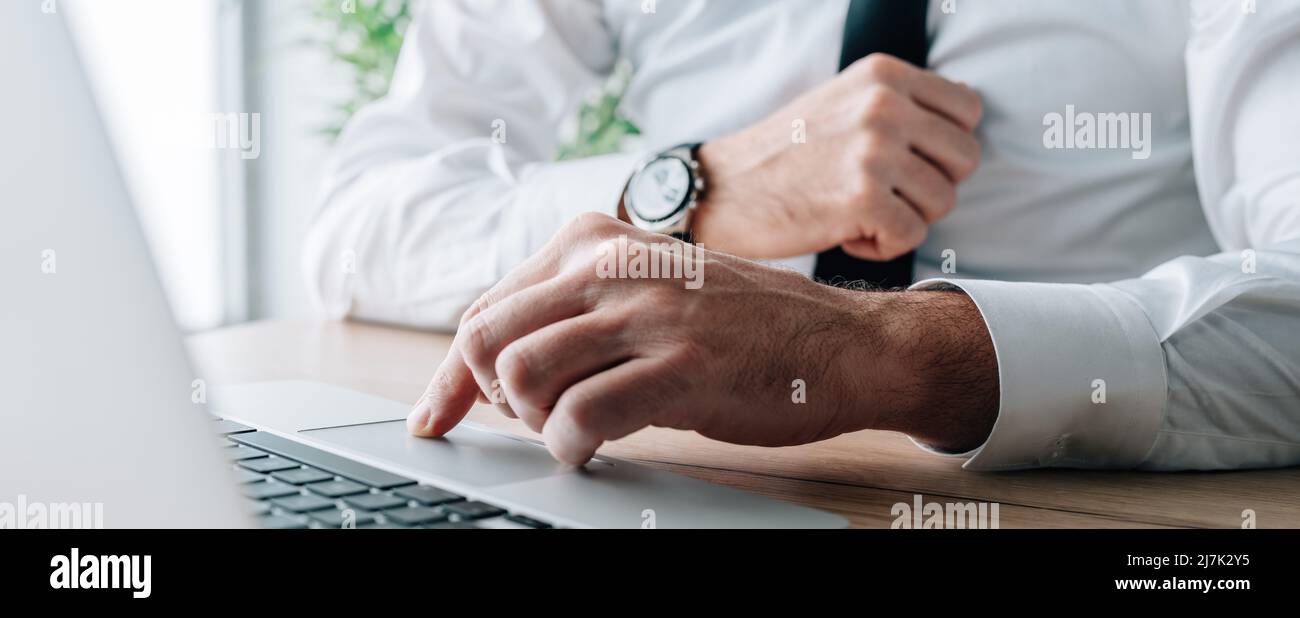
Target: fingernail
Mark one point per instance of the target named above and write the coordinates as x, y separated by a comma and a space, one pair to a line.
421, 417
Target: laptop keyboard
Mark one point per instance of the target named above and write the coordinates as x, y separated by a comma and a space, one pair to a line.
288, 484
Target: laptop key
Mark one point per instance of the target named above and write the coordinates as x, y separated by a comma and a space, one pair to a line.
244, 477
338, 489
241, 453
426, 495
280, 522
258, 508
265, 491
473, 510
524, 520
374, 502
269, 464
317, 458
337, 519
300, 476
454, 525
305, 503
415, 515
227, 428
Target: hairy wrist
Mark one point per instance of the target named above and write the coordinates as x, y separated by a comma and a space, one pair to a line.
927, 368
733, 198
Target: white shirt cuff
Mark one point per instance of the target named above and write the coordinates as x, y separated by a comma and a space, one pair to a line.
1081, 373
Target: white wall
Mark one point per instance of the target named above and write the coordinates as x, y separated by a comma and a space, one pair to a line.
292, 84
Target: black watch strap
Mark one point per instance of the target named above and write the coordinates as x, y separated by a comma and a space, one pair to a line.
688, 236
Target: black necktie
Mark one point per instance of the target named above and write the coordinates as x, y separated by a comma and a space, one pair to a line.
897, 28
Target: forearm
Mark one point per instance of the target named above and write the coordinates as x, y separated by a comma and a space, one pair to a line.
935, 370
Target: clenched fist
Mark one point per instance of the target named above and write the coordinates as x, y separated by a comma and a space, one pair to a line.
885, 146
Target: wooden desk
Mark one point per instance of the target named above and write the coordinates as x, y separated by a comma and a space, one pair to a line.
860, 476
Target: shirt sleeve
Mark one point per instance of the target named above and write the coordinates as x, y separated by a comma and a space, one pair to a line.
440, 188
1195, 365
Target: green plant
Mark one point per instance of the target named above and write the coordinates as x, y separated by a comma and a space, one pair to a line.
601, 126
366, 36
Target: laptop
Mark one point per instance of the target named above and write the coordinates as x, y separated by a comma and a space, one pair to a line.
97, 395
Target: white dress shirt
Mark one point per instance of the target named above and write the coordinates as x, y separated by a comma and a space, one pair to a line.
1193, 365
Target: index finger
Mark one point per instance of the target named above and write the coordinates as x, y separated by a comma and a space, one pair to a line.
448, 398
453, 390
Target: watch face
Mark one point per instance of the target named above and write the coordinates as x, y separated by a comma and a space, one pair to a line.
661, 189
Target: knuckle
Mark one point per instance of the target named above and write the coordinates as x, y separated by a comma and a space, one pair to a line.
976, 153
867, 184
858, 149
623, 243
582, 410
913, 236
893, 251
477, 341
881, 104
474, 309
880, 66
901, 236
589, 223
879, 156
878, 150
968, 161
513, 368
469, 313
593, 288
965, 164
606, 253
977, 108
857, 192
854, 193
947, 199
966, 167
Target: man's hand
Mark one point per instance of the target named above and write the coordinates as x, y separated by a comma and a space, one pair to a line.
886, 144
755, 355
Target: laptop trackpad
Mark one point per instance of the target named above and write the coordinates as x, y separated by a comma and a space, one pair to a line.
466, 456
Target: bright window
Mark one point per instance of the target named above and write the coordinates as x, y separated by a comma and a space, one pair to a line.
153, 67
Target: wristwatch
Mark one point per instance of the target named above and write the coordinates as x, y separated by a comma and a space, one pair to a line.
664, 191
